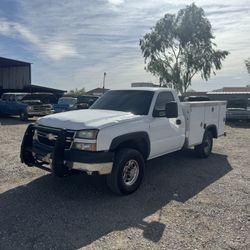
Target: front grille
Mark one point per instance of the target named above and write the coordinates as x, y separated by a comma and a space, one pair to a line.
40, 108
48, 136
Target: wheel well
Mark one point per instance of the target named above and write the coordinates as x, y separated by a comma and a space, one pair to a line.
140, 144
213, 130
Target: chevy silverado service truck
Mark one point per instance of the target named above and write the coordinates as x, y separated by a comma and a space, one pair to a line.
122, 130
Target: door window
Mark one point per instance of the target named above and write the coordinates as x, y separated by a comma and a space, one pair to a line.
5, 97
162, 99
12, 98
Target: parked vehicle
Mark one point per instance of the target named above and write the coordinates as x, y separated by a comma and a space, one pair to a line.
72, 103
84, 102
44, 98
120, 132
65, 104
17, 104
40, 103
238, 109
236, 114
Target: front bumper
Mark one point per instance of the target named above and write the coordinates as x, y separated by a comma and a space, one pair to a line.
34, 153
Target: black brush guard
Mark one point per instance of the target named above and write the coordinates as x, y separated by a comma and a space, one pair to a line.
57, 159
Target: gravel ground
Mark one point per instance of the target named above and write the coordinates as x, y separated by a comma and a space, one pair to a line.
184, 202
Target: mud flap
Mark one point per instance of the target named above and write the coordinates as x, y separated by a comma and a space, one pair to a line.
58, 167
26, 153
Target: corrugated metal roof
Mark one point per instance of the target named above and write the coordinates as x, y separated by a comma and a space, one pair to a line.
233, 89
6, 62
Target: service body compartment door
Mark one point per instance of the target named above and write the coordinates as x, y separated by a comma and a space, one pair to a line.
196, 125
211, 115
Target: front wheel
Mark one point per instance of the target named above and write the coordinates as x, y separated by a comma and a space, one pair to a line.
127, 172
205, 148
23, 116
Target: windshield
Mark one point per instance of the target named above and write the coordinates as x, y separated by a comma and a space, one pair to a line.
67, 101
86, 99
134, 101
20, 97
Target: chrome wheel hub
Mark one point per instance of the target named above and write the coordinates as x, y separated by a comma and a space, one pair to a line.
130, 172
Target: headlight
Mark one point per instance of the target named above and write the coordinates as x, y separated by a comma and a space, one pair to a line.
87, 134
29, 108
84, 146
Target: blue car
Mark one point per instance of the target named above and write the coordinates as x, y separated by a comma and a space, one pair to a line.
11, 104
16, 104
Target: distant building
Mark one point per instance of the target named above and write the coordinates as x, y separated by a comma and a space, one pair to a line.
97, 91
233, 89
235, 96
143, 84
15, 76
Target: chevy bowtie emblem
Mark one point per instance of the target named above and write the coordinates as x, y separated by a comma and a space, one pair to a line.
51, 137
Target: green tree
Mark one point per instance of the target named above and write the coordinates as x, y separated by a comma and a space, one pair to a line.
181, 46
247, 62
76, 92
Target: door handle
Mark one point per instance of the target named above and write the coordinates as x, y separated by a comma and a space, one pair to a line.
178, 121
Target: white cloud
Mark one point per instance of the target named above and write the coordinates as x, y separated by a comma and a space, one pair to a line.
54, 50
116, 2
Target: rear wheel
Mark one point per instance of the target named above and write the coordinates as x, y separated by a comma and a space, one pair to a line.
127, 172
205, 148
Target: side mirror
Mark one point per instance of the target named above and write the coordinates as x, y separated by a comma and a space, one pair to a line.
171, 110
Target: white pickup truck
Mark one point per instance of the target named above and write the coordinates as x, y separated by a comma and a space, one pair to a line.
120, 132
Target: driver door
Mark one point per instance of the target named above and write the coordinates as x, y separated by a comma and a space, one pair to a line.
166, 134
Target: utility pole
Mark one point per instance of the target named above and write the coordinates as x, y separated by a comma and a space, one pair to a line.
103, 86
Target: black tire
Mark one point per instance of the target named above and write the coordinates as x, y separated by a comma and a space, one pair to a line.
205, 148
126, 159
25, 154
60, 169
23, 116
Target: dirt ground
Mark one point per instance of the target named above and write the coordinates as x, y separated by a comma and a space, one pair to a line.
184, 202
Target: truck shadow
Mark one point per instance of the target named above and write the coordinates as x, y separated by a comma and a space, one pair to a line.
72, 212
7, 121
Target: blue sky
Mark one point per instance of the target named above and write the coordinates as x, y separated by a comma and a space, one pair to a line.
72, 42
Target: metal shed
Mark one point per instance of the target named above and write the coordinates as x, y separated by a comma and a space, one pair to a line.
14, 74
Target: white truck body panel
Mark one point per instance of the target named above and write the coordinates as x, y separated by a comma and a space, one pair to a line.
199, 115
165, 134
107, 134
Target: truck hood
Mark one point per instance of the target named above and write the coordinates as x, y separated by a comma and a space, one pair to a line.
84, 119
